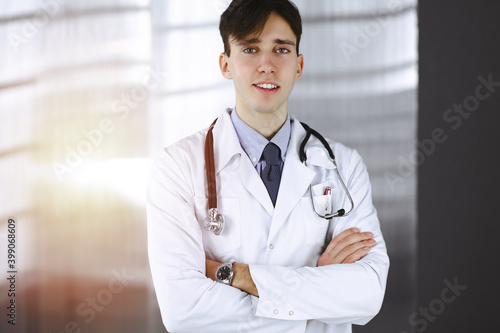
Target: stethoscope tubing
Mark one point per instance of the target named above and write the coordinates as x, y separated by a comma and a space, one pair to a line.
214, 221
210, 167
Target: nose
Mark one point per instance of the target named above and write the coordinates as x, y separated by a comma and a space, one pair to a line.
266, 64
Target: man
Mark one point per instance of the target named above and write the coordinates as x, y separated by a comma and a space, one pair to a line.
279, 267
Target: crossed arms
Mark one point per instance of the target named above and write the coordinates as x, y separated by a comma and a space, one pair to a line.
346, 248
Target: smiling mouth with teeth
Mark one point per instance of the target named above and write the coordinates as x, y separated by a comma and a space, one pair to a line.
267, 86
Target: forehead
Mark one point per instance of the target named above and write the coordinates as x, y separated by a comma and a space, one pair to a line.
276, 29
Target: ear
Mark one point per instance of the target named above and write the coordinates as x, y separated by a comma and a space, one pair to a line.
300, 66
224, 66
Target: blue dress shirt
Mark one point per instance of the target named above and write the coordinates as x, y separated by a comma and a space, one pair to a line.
253, 143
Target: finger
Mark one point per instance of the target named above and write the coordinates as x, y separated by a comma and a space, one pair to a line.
349, 241
354, 248
356, 251
335, 241
350, 254
357, 255
336, 251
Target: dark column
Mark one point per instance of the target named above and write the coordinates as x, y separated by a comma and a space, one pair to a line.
459, 180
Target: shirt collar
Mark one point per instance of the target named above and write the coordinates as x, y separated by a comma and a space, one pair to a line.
253, 143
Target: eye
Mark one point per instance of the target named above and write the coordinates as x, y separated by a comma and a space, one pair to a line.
249, 50
282, 50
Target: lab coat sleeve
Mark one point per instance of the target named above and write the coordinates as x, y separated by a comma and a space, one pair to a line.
333, 294
188, 300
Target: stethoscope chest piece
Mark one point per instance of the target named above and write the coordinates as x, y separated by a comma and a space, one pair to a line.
214, 222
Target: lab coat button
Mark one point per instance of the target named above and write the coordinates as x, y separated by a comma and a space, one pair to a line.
276, 311
290, 313
271, 246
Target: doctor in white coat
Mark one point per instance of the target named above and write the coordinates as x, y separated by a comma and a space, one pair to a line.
289, 270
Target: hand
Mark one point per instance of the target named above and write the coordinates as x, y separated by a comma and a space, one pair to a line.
347, 247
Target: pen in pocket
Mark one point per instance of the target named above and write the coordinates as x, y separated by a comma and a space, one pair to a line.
328, 193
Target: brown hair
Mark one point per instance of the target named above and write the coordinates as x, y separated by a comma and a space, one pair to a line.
244, 18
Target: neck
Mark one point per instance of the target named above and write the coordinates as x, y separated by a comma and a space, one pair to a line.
265, 123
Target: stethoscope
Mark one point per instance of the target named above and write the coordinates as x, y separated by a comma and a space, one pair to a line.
215, 221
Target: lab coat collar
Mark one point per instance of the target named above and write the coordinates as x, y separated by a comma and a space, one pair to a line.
226, 147
226, 143
318, 156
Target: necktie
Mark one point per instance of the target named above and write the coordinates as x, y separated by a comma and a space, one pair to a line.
271, 175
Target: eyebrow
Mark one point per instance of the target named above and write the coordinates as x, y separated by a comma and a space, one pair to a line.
248, 42
256, 41
285, 42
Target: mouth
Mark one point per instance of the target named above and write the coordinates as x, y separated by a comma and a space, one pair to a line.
267, 87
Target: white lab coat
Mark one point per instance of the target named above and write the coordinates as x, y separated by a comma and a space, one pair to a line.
281, 244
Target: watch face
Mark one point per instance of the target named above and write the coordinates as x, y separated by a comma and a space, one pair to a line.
223, 273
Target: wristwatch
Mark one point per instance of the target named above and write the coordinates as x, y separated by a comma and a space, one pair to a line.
224, 273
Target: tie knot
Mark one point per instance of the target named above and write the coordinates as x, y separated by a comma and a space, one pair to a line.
272, 154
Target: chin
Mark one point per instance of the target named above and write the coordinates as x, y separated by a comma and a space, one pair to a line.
263, 108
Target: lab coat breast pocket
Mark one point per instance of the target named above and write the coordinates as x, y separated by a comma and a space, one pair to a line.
317, 227
230, 239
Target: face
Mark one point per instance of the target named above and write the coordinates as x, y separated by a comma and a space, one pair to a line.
264, 69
